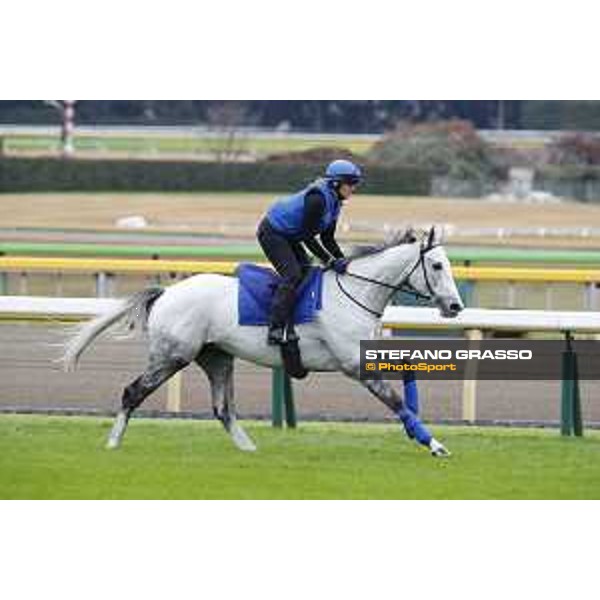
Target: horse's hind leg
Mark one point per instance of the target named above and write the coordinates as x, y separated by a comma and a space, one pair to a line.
157, 372
218, 366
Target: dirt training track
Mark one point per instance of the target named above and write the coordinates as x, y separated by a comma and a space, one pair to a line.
30, 380
236, 215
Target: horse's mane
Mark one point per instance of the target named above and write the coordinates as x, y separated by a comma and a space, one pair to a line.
397, 238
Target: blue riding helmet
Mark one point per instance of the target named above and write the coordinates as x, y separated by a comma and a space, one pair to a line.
343, 171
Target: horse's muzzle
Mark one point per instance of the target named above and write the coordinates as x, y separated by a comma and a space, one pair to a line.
450, 310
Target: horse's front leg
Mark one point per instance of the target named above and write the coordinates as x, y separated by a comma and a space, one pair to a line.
413, 426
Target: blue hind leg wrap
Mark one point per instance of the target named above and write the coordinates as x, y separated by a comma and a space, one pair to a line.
414, 428
411, 394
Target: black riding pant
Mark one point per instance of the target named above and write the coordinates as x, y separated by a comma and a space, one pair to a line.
291, 262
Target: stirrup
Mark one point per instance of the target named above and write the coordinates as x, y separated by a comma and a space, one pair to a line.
276, 335
290, 335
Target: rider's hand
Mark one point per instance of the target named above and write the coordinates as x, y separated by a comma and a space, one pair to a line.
339, 265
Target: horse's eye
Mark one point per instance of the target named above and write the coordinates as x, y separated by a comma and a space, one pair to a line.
437, 266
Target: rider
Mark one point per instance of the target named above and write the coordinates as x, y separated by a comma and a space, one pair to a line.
296, 220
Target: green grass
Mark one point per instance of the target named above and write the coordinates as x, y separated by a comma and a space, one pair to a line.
175, 145
64, 457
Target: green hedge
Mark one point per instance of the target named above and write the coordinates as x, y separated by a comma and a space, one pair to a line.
561, 173
56, 175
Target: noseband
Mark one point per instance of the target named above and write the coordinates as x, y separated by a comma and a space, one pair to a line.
404, 286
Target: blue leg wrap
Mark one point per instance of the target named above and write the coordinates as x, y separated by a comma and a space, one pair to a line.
414, 428
411, 394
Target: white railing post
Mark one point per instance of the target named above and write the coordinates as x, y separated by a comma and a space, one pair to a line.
174, 393
469, 394
511, 293
105, 285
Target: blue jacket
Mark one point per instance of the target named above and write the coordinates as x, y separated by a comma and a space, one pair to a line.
286, 216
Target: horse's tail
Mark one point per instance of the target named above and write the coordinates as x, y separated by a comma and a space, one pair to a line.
136, 308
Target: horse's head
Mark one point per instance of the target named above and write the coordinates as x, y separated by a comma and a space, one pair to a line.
410, 263
432, 277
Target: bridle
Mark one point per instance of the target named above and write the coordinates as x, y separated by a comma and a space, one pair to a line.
404, 286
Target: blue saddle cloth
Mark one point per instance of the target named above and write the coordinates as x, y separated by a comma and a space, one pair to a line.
257, 286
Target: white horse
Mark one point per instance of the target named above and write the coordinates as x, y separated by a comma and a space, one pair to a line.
196, 320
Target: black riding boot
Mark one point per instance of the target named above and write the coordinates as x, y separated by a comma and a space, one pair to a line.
282, 310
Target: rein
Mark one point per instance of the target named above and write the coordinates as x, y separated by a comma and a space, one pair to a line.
403, 286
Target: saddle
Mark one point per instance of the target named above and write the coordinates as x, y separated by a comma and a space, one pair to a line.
257, 287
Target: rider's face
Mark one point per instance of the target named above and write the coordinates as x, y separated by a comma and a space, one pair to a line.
347, 189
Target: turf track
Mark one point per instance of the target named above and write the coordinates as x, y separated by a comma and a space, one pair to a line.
58, 457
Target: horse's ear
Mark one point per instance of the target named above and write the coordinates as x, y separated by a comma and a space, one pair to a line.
435, 237
431, 237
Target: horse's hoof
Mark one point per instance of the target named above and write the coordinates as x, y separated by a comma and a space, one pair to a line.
112, 444
116, 434
241, 439
439, 450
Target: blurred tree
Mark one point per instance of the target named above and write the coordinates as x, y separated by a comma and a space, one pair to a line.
452, 148
226, 119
